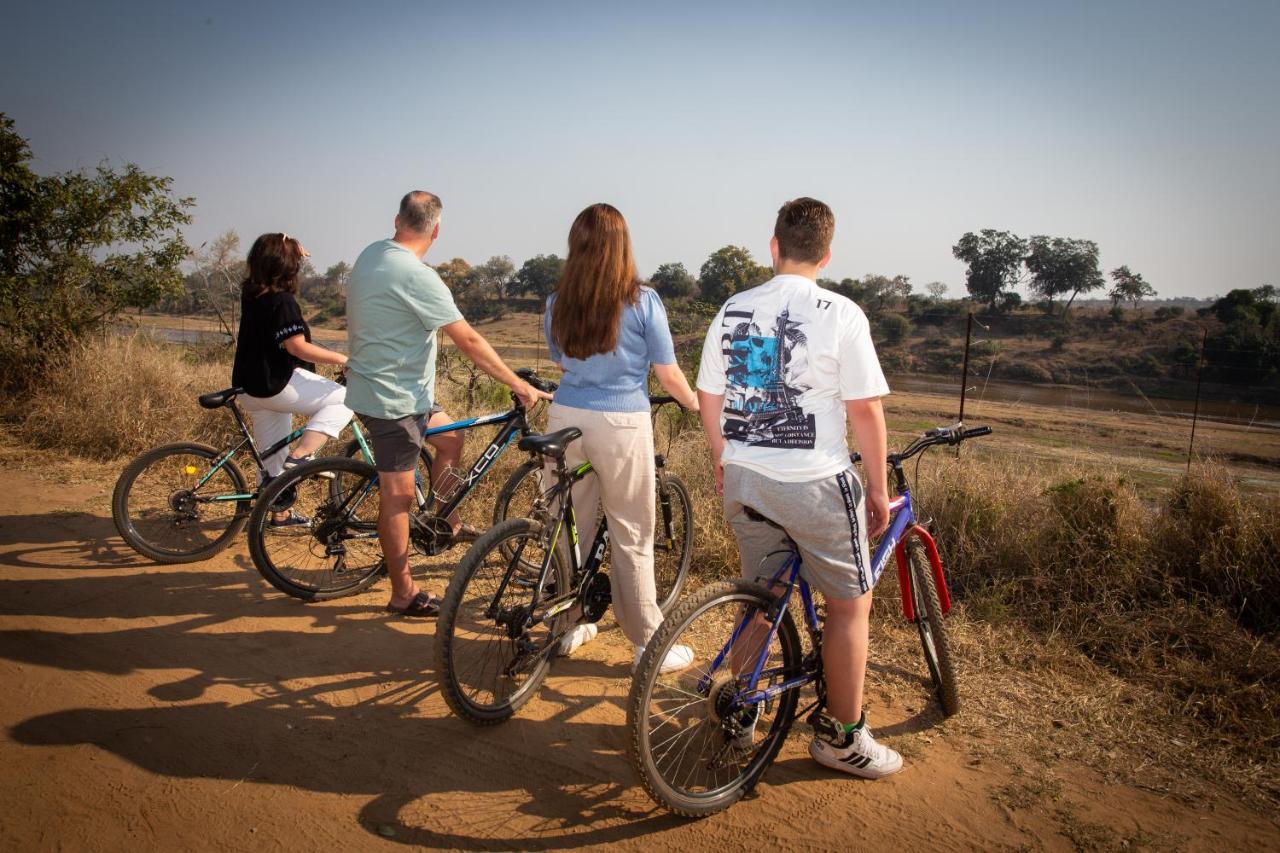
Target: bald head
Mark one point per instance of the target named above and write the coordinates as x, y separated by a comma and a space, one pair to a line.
419, 213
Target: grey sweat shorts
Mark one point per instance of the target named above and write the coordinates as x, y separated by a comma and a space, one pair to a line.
825, 518
395, 442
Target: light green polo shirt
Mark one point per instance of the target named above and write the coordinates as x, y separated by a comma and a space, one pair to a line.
395, 303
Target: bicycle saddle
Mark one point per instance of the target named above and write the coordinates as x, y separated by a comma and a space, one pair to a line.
552, 444
219, 398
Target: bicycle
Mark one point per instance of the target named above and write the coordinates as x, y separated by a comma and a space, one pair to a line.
186, 501
510, 600
700, 739
338, 553
673, 540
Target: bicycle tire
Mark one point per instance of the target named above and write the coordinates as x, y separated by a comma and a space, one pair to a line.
671, 561
465, 622
352, 451
312, 563
933, 633
142, 527
686, 626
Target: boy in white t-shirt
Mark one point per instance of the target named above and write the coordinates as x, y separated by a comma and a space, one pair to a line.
785, 367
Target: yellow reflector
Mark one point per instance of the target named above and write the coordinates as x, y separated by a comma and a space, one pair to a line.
191, 469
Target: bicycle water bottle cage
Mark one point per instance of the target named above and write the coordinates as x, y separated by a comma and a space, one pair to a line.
219, 398
551, 445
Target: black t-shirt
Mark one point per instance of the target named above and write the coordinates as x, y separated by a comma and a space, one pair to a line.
263, 366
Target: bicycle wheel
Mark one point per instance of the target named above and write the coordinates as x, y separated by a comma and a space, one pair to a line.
696, 746
933, 632
490, 661
672, 540
164, 512
337, 552
423, 470
516, 497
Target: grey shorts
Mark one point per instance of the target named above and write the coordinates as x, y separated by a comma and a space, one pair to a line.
396, 442
825, 518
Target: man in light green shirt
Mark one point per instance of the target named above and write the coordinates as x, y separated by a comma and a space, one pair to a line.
395, 304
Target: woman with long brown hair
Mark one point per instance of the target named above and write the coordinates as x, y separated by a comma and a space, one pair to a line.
275, 361
605, 329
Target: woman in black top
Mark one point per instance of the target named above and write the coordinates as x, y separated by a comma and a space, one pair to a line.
275, 360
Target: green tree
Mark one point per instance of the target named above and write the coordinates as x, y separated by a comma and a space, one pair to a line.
880, 292
539, 275
728, 271
77, 248
1129, 287
994, 260
673, 281
1061, 265
493, 279
456, 274
1246, 349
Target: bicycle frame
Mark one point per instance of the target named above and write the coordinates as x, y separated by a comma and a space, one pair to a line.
258, 457
902, 523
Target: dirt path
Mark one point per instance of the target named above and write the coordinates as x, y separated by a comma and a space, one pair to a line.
193, 707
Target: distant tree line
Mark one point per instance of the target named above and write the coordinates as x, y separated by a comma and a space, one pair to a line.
1051, 267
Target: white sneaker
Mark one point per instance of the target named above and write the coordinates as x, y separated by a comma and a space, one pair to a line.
678, 658
573, 640
859, 755
748, 717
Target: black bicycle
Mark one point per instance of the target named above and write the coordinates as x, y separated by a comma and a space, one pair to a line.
337, 552
182, 502
521, 587
673, 536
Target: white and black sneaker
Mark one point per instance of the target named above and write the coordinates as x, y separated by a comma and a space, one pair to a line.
855, 752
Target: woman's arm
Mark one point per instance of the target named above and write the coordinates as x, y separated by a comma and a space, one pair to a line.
673, 381
298, 347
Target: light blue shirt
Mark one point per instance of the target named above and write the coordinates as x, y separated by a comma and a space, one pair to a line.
395, 303
616, 381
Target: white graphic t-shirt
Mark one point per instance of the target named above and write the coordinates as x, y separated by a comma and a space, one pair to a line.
785, 355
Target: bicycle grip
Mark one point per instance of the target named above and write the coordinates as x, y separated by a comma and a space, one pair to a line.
975, 432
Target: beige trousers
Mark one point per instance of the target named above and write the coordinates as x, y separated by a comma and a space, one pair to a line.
619, 446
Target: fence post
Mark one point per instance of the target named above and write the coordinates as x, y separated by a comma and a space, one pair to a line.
964, 371
1195, 412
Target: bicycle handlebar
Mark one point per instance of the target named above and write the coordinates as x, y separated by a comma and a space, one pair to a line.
528, 375
953, 434
661, 401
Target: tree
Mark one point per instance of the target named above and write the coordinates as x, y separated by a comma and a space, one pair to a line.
673, 281
1129, 287
936, 290
879, 292
493, 278
539, 275
728, 271
337, 277
77, 248
219, 269
994, 261
1060, 265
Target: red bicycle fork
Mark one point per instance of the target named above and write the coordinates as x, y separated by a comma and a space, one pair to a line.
904, 575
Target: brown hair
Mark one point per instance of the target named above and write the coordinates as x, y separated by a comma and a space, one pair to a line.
274, 262
599, 278
420, 211
804, 230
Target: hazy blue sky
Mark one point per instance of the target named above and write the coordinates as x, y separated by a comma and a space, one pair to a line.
1151, 128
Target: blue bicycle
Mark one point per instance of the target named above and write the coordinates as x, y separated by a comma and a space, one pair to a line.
700, 739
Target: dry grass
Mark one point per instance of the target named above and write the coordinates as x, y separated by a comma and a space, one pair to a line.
119, 396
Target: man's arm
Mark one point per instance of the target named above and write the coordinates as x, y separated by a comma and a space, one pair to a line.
475, 347
709, 408
867, 418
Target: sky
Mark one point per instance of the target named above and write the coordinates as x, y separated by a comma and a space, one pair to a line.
1151, 128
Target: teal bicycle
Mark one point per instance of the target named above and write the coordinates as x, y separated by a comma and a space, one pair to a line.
183, 502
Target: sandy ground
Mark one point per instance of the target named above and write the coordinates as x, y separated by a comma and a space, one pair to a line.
192, 707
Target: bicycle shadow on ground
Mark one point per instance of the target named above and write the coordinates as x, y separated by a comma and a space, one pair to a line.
350, 687
75, 541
